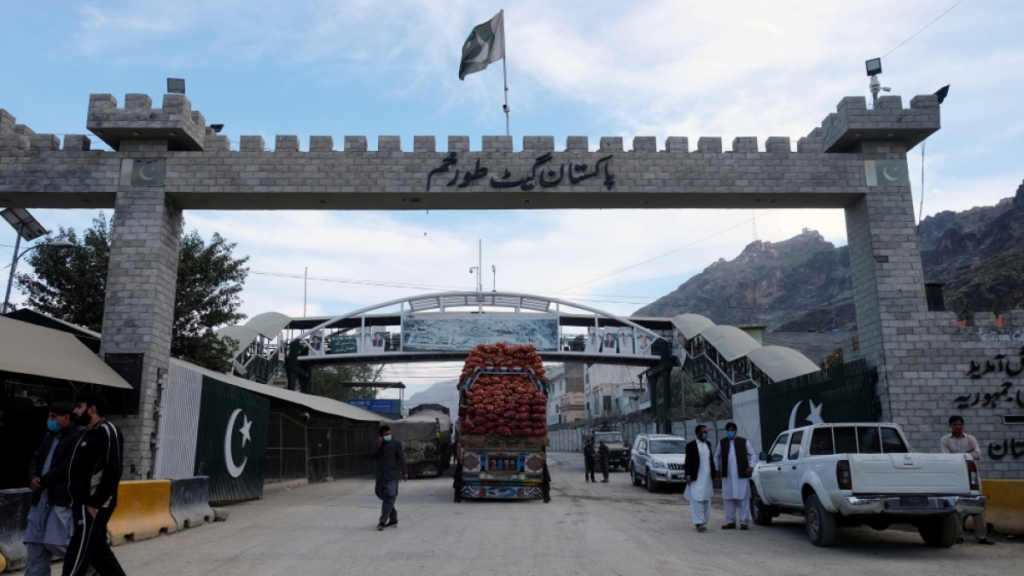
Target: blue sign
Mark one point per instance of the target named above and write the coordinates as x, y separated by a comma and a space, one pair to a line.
378, 405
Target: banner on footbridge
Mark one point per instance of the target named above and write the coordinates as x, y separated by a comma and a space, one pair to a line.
463, 331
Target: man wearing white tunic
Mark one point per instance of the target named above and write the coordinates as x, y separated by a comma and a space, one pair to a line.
734, 458
700, 469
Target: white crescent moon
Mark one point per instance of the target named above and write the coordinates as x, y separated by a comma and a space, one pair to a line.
233, 471
792, 416
885, 172
142, 173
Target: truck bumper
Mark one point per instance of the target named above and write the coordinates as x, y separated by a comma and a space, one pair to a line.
918, 506
669, 476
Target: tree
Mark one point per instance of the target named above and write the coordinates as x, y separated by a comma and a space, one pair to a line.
325, 380
70, 285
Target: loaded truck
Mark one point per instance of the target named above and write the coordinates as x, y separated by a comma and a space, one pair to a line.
427, 439
502, 432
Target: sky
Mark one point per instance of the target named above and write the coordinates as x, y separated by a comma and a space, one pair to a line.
596, 68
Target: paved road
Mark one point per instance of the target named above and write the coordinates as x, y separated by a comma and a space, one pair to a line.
591, 529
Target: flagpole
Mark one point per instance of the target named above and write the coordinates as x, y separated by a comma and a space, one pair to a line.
504, 70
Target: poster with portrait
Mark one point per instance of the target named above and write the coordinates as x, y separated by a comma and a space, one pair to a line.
610, 341
378, 338
316, 343
593, 343
644, 343
625, 340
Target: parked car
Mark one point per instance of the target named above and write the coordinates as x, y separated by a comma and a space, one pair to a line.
658, 459
618, 450
840, 475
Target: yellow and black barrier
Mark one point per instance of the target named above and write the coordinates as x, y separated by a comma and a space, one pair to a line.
1004, 505
143, 511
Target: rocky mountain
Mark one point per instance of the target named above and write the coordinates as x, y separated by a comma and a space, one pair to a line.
804, 283
444, 393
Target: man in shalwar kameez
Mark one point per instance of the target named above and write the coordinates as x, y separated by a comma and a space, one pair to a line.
49, 519
700, 470
735, 458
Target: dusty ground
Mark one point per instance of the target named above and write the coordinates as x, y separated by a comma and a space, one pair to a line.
591, 529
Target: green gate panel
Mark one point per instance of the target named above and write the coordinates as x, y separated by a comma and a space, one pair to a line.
232, 441
845, 393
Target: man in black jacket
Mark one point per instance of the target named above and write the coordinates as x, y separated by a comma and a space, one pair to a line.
391, 467
588, 461
50, 521
93, 477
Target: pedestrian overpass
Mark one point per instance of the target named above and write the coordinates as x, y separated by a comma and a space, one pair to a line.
444, 327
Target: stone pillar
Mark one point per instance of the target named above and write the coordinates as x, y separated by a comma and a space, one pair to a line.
139, 310
888, 281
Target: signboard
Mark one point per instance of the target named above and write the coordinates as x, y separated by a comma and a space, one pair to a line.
463, 331
342, 344
378, 405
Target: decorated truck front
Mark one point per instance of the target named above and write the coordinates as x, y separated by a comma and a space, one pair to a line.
502, 425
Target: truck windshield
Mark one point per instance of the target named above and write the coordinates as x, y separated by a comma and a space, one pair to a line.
668, 447
608, 438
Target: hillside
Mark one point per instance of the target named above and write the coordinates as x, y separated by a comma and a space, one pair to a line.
444, 393
804, 283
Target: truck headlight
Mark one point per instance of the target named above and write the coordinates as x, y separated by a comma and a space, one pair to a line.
659, 464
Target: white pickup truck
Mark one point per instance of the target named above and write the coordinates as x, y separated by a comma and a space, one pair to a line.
852, 474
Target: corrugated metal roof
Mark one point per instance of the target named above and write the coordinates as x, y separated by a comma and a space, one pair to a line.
691, 324
781, 363
730, 341
31, 349
317, 403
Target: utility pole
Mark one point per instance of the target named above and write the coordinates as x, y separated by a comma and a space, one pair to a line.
305, 290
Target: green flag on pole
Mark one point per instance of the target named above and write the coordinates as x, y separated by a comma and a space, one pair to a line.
485, 45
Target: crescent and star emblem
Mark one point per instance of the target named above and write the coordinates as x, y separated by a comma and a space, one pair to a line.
236, 471
885, 173
814, 417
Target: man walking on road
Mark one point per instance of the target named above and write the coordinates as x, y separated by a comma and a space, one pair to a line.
50, 522
391, 467
700, 469
734, 459
956, 442
94, 474
604, 455
588, 461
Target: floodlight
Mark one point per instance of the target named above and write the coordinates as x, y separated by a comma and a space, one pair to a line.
217, 128
175, 85
874, 66
942, 92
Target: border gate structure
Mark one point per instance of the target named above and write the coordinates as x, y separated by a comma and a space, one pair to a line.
166, 160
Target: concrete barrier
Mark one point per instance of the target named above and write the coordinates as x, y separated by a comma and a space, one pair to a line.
190, 502
1004, 505
143, 511
14, 505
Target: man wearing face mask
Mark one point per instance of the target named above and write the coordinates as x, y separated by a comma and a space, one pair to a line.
735, 458
50, 522
391, 467
700, 470
94, 474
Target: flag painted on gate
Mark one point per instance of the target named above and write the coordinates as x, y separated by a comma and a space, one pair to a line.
485, 45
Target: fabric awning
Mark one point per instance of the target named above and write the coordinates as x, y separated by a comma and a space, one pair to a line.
731, 342
691, 324
31, 349
781, 363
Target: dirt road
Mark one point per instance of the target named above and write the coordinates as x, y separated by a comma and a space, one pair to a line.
590, 529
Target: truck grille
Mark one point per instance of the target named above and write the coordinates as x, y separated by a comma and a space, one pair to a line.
677, 466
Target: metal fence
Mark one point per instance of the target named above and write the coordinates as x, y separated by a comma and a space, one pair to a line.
317, 450
844, 393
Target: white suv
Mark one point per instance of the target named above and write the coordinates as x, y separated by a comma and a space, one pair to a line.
658, 459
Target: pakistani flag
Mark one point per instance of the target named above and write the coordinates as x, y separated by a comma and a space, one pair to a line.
486, 44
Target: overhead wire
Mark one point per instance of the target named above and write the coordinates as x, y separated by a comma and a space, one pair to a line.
950, 9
